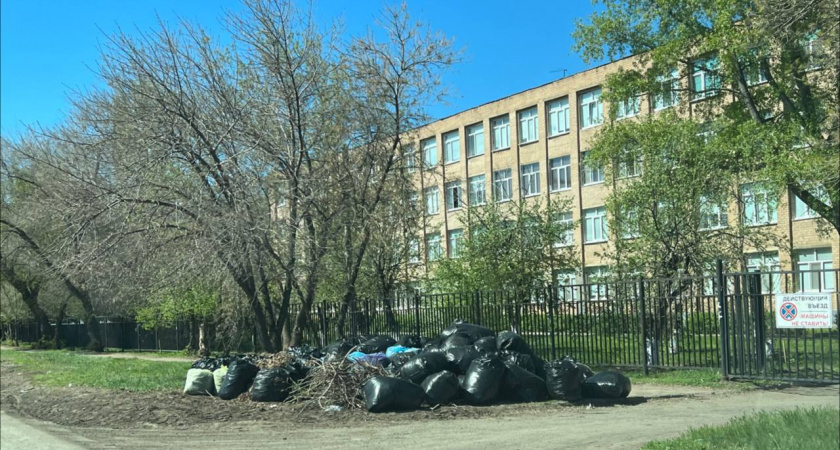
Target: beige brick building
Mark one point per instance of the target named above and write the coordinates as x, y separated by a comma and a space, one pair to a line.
531, 145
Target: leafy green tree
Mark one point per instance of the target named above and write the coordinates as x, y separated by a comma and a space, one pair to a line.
198, 304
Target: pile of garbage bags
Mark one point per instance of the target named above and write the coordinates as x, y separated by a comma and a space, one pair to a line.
466, 363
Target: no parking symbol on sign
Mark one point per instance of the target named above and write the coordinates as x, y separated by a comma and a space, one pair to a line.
803, 311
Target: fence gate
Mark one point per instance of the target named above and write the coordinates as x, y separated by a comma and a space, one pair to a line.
753, 346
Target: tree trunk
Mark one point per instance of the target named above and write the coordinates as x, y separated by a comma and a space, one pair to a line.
203, 345
58, 320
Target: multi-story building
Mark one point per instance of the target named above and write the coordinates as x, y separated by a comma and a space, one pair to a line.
533, 144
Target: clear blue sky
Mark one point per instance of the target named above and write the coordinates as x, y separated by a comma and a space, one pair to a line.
48, 48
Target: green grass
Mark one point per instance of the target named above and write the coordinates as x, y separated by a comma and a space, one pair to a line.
700, 378
57, 368
812, 429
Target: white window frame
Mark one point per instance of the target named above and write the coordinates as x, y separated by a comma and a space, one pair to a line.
713, 216
704, 76
475, 140
566, 285
559, 117
591, 109
430, 156
766, 262
629, 107
454, 239
502, 185
630, 167
762, 202
596, 281
432, 201
568, 237
801, 211
413, 250
595, 219
501, 132
812, 47
557, 166
529, 125
529, 179
630, 232
453, 195
825, 280
451, 147
410, 157
434, 250
591, 175
477, 190
669, 95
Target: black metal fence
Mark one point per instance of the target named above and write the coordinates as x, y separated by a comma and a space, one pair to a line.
724, 320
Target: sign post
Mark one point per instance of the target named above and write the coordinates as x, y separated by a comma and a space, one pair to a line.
804, 310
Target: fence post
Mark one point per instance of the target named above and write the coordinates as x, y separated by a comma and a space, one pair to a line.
551, 299
417, 313
323, 323
757, 300
724, 320
643, 323
477, 307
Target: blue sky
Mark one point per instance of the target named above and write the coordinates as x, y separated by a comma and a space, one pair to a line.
50, 49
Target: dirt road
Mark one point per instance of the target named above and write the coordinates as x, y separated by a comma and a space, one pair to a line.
653, 412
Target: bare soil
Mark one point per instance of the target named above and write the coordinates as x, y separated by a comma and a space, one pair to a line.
95, 418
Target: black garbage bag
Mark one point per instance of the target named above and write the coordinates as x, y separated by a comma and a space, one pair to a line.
205, 363
563, 380
421, 366
519, 359
296, 371
523, 386
411, 341
433, 345
392, 394
486, 344
608, 384
455, 340
539, 366
305, 352
476, 332
336, 351
508, 340
483, 380
460, 358
376, 344
441, 387
238, 379
399, 359
271, 385
584, 372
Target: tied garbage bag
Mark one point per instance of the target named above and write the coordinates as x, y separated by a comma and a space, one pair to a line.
271, 385
305, 352
562, 378
486, 345
336, 351
393, 350
433, 346
508, 340
421, 366
392, 394
476, 332
460, 358
199, 382
456, 340
399, 359
411, 341
518, 359
441, 387
523, 386
219, 377
608, 384
239, 377
376, 344
483, 380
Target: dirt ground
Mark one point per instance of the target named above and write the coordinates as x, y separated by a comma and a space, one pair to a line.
93, 418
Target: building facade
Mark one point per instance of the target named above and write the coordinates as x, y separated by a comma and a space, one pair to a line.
533, 145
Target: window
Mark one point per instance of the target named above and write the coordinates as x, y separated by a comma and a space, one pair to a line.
595, 225
628, 107
558, 116
502, 185
451, 147
410, 158
432, 206
759, 204
475, 140
597, 277
455, 239
501, 133
812, 47
433, 248
477, 188
630, 224
766, 262
669, 91
713, 216
591, 109
803, 211
706, 132
560, 173
752, 69
529, 129
530, 179
430, 157
815, 270
413, 201
592, 173
567, 238
566, 280
413, 250
453, 195
705, 77
630, 165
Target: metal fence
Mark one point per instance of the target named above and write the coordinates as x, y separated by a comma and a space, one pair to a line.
724, 320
